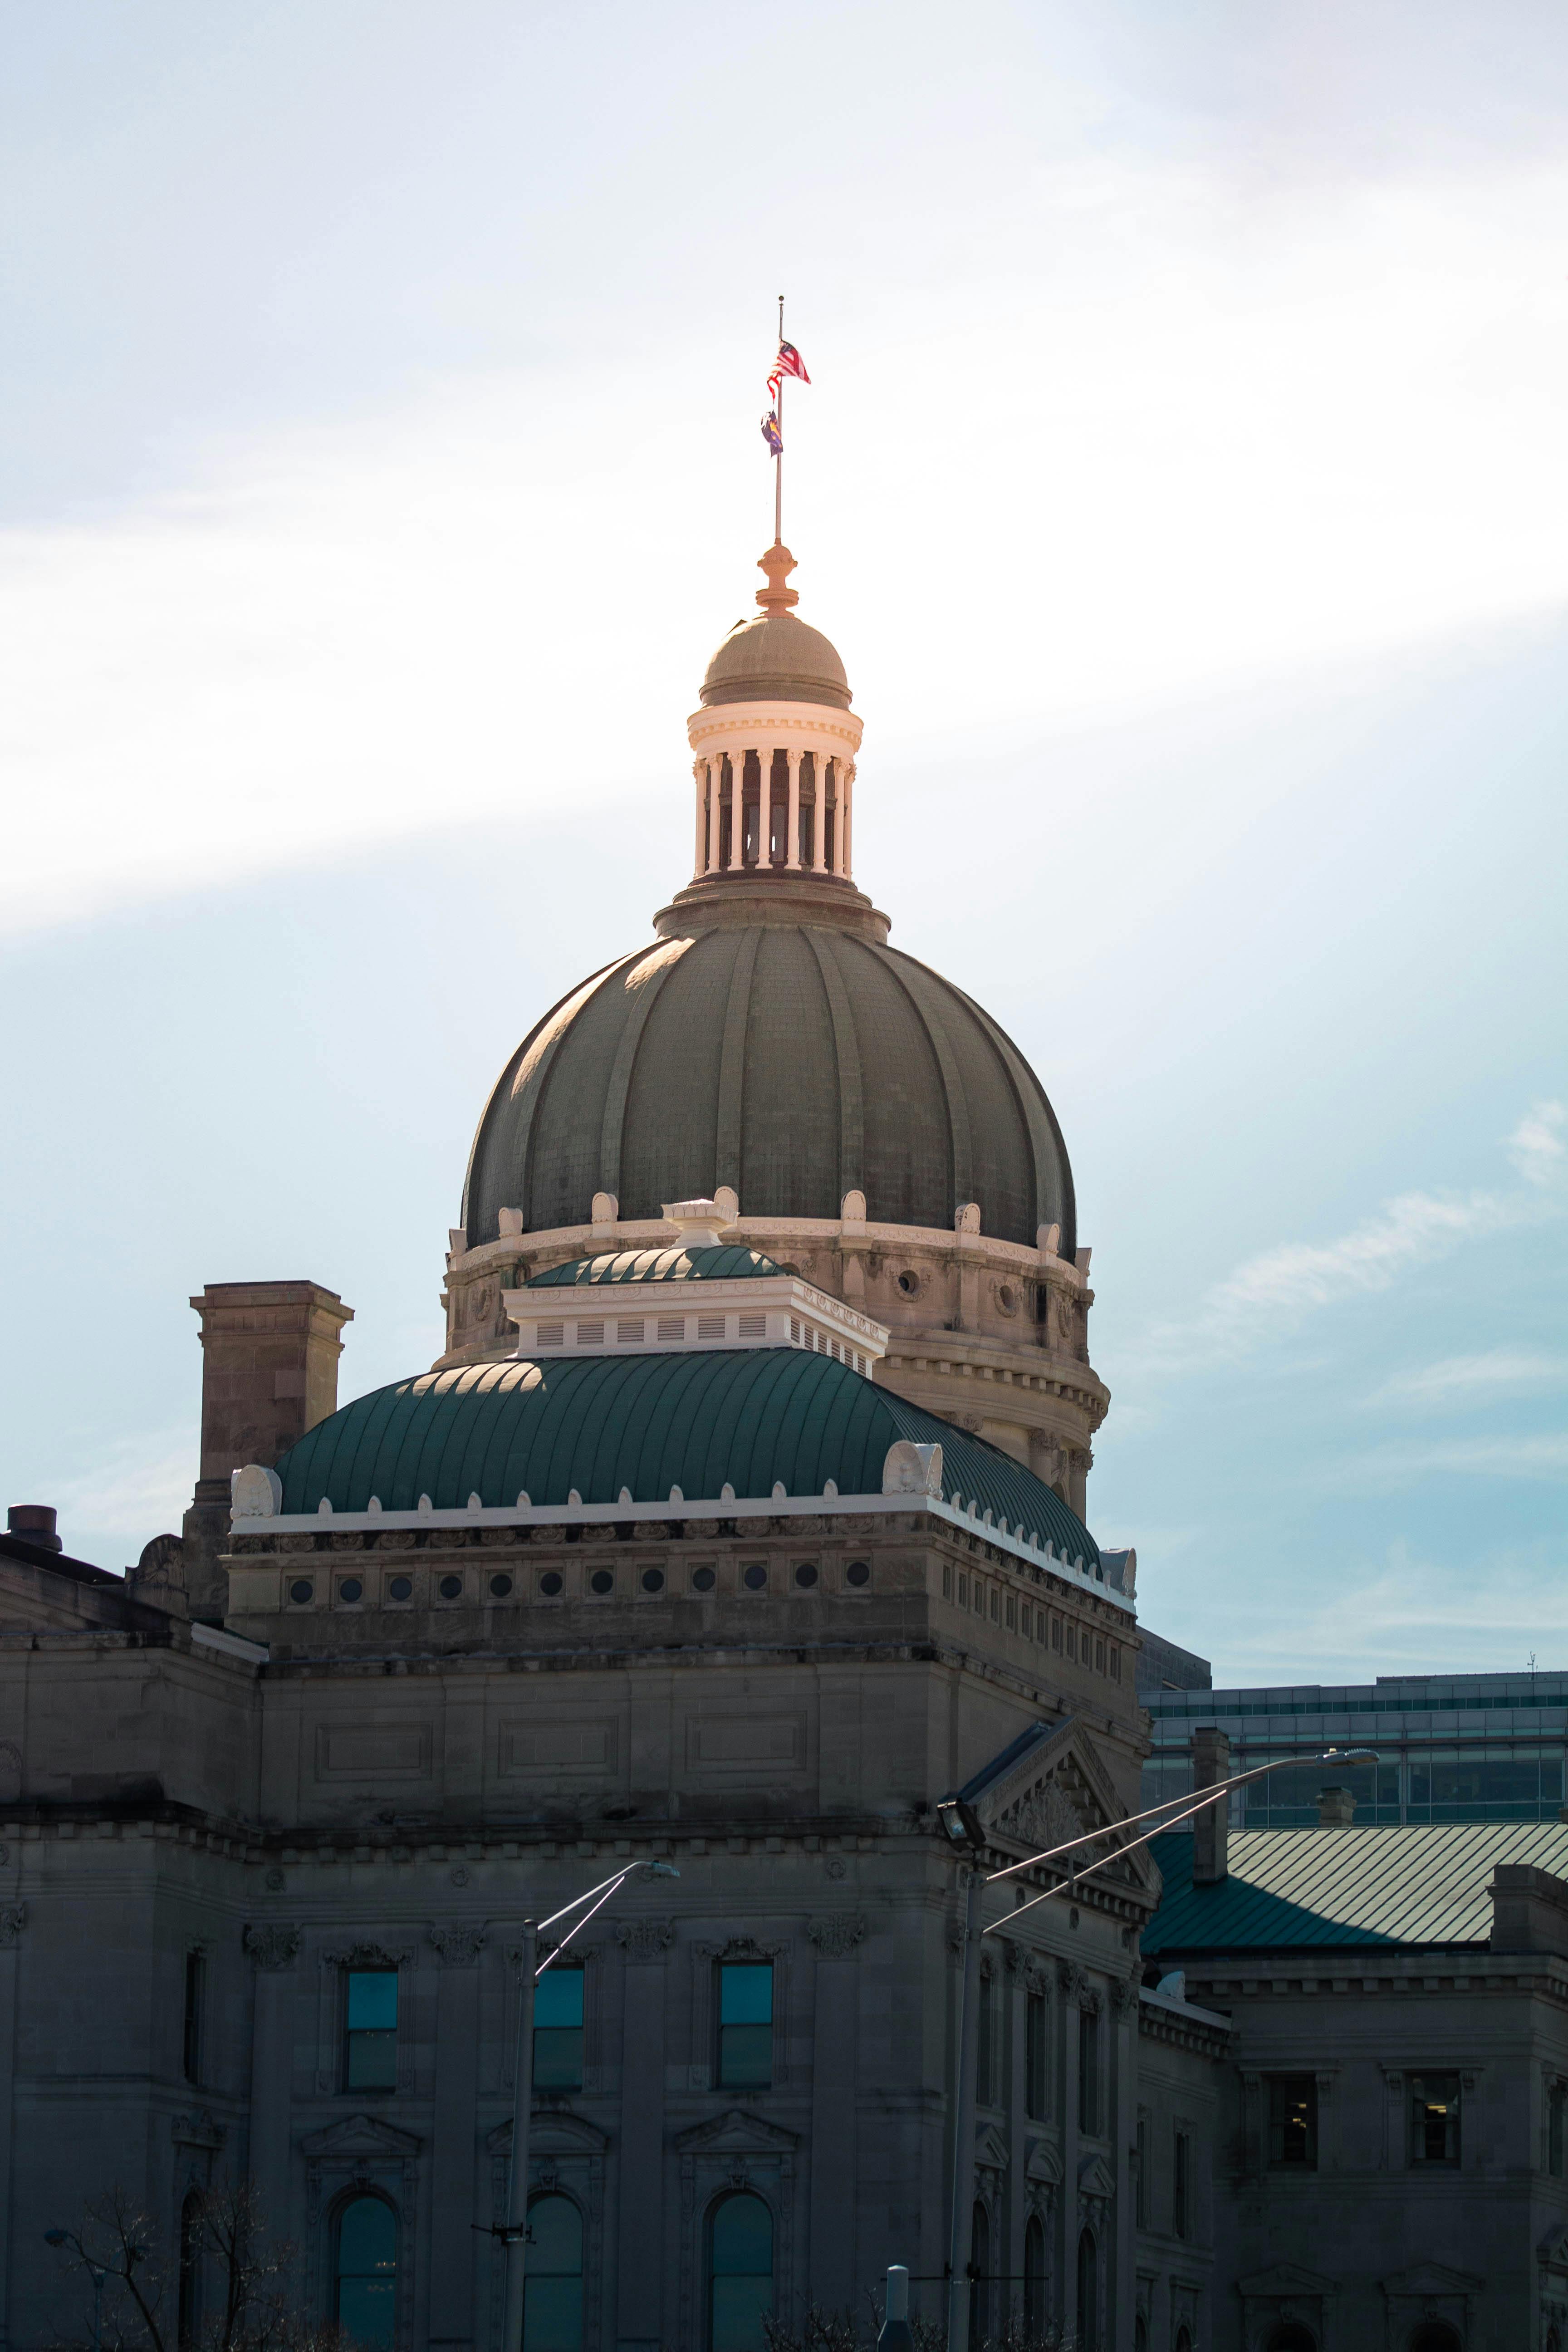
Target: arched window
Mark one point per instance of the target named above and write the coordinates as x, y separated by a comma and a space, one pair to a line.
740, 2274
1291, 2337
1435, 2336
189, 2318
980, 2275
1183, 2339
552, 2278
1140, 2334
1034, 2276
1088, 2293
367, 2271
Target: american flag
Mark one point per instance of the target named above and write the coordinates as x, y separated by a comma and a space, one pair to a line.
788, 362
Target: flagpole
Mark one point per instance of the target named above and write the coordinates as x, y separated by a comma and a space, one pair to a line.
778, 461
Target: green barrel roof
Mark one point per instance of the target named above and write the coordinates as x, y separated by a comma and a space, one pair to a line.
721, 1262
748, 1419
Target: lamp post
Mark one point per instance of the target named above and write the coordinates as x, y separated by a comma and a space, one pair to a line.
95, 2271
964, 1826
530, 1969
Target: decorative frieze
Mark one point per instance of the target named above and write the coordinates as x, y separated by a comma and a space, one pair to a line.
644, 1939
272, 1946
836, 1937
457, 1947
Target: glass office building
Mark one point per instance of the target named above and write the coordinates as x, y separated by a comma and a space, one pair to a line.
1451, 1747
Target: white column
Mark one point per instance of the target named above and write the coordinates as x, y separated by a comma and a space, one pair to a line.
819, 814
846, 805
715, 786
737, 811
793, 860
699, 771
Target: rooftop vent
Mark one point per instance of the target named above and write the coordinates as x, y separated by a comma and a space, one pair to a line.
35, 1523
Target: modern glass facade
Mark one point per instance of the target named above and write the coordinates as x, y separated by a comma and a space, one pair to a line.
1451, 1747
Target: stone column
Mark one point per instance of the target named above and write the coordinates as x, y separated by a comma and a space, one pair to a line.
274, 1992
845, 817
715, 797
698, 774
1069, 1977
819, 817
640, 2256
1014, 1994
831, 2261
1122, 2255
793, 840
454, 2157
737, 811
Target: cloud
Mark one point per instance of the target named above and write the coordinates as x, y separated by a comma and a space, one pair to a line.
142, 1485
1498, 1371
1271, 1294
1536, 1146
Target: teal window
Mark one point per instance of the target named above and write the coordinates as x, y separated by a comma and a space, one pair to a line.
370, 2060
746, 2025
552, 2282
367, 2272
740, 2275
558, 2029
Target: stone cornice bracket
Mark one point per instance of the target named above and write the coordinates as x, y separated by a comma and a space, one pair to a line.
272, 1947
644, 1939
836, 1937
457, 1947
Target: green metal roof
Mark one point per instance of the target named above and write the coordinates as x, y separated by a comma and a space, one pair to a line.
1418, 1883
721, 1262
699, 1420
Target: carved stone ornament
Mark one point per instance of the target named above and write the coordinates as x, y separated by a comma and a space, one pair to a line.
457, 1947
836, 1937
198, 2130
1070, 1978
644, 1939
1123, 1995
365, 1956
273, 1946
13, 1918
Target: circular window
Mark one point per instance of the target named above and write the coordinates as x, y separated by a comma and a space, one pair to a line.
601, 1580
805, 1575
400, 1588
754, 1577
703, 1580
653, 1580
910, 1283
302, 1588
550, 1583
501, 1586
1007, 1299
450, 1588
858, 1573
351, 1590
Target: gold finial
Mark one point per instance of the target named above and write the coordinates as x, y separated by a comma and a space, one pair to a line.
778, 564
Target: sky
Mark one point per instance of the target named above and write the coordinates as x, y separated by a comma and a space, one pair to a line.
1182, 480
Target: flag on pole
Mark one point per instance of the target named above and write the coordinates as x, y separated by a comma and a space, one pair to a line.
788, 362
772, 434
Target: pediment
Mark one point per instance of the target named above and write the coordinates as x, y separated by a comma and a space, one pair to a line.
737, 2134
1095, 2178
1287, 2278
365, 2136
1044, 2163
991, 2149
1060, 1790
551, 2135
1554, 2247
1431, 2278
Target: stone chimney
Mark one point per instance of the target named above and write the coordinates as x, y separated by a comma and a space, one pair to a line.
1529, 1909
1336, 1808
270, 1372
1211, 1828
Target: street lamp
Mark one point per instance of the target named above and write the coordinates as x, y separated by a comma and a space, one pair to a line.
962, 1825
95, 2271
514, 2236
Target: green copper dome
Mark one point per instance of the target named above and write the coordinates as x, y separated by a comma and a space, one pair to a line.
721, 1262
700, 1422
794, 1061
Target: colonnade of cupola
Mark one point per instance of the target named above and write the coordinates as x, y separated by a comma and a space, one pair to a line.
773, 794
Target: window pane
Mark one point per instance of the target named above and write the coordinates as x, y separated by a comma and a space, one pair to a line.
743, 2238
745, 2056
746, 1994
552, 2292
558, 1998
367, 2310
741, 2264
373, 1998
740, 2306
372, 2062
367, 2271
558, 2057
1293, 2120
555, 2235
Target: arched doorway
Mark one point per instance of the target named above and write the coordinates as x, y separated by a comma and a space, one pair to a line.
980, 2278
553, 2281
1087, 2293
366, 2270
1435, 2336
740, 2272
1035, 2275
1291, 2336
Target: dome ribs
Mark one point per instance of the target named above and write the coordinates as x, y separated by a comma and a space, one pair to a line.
917, 984
1054, 1199
643, 981
733, 1065
503, 1141
824, 946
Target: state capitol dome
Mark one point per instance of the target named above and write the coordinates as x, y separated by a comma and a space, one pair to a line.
771, 1042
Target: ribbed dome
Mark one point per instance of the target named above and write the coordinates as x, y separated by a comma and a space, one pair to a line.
795, 1062
774, 657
